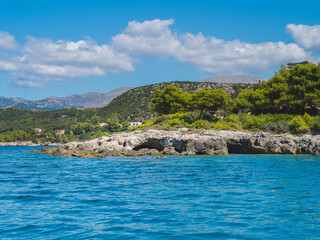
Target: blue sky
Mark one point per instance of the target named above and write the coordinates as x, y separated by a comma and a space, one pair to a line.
58, 48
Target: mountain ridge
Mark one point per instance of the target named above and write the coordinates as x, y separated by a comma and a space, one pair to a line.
86, 100
96, 99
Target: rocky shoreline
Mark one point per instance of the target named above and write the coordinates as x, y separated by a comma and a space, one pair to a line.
186, 142
25, 143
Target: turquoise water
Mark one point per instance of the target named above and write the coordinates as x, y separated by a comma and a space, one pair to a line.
181, 197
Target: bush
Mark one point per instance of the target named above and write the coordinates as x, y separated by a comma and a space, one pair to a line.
274, 123
85, 137
232, 118
315, 126
222, 125
201, 124
298, 125
279, 127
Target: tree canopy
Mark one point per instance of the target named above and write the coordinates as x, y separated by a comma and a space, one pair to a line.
206, 100
173, 100
169, 100
289, 90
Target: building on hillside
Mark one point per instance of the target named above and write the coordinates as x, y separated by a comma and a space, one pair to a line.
134, 124
292, 65
38, 130
102, 124
60, 132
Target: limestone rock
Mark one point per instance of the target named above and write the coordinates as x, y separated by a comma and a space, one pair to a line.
181, 142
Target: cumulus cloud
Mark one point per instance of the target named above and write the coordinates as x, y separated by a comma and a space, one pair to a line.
38, 61
306, 36
151, 39
83, 53
155, 39
45, 60
214, 55
7, 66
7, 41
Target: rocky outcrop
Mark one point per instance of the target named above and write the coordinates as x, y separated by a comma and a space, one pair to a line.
184, 142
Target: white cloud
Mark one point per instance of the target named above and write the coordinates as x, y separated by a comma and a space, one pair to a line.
81, 53
214, 55
26, 83
7, 41
155, 39
65, 71
7, 66
306, 36
41, 60
151, 39
45, 60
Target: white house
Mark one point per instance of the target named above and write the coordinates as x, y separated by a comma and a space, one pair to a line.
102, 124
134, 124
60, 132
37, 130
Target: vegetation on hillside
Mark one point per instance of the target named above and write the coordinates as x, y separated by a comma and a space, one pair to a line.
281, 105
173, 100
82, 124
79, 124
273, 123
287, 103
295, 90
135, 104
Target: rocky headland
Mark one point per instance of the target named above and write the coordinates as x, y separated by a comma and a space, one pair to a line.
186, 142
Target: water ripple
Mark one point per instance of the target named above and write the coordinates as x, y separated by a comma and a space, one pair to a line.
181, 197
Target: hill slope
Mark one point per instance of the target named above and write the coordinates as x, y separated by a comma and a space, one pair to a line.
234, 79
134, 104
87, 100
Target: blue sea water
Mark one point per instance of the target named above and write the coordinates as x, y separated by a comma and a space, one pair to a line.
181, 197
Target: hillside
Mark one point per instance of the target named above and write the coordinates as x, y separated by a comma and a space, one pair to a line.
134, 104
86, 100
17, 124
234, 79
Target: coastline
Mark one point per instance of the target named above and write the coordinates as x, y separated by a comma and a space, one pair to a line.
188, 142
26, 143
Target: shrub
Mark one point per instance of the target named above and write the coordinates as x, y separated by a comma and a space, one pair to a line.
298, 125
201, 124
279, 127
222, 125
232, 118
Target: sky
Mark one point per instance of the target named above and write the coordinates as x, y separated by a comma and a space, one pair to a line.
59, 48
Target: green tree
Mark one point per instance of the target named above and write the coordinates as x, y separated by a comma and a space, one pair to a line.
206, 100
169, 100
52, 138
289, 90
65, 139
255, 100
125, 125
59, 139
113, 125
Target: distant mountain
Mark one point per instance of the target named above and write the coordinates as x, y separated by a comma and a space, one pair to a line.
86, 100
234, 79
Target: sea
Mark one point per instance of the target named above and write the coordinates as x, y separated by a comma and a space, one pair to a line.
180, 197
